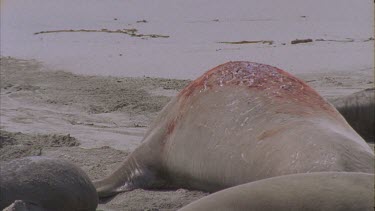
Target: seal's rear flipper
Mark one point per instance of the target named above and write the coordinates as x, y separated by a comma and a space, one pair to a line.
135, 172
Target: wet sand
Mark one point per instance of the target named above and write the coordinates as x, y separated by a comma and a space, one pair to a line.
96, 121
201, 34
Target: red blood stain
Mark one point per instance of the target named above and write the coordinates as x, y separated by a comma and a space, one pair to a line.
272, 81
171, 126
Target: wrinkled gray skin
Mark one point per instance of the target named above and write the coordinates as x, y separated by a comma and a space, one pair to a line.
240, 122
314, 191
50, 184
359, 110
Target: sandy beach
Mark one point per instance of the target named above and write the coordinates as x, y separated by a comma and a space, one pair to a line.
84, 86
190, 37
96, 121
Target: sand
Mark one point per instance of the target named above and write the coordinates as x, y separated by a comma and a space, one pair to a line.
79, 82
201, 34
96, 121
92, 121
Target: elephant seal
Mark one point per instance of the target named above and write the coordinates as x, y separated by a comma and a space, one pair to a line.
359, 110
47, 183
313, 191
237, 123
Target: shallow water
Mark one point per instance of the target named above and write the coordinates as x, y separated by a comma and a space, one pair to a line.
195, 29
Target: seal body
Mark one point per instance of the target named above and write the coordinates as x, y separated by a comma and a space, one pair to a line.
50, 184
315, 191
359, 110
240, 122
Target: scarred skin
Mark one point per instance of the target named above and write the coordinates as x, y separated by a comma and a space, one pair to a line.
315, 191
240, 122
46, 184
359, 110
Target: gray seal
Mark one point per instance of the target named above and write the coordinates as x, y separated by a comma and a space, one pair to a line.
240, 122
359, 110
315, 191
47, 183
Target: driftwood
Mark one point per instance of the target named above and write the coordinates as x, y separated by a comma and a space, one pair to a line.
130, 32
269, 42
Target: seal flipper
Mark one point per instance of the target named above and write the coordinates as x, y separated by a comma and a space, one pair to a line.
129, 176
141, 169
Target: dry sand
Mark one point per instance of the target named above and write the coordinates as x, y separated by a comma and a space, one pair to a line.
96, 121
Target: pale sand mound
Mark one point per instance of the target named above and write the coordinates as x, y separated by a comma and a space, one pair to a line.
95, 121
17, 145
